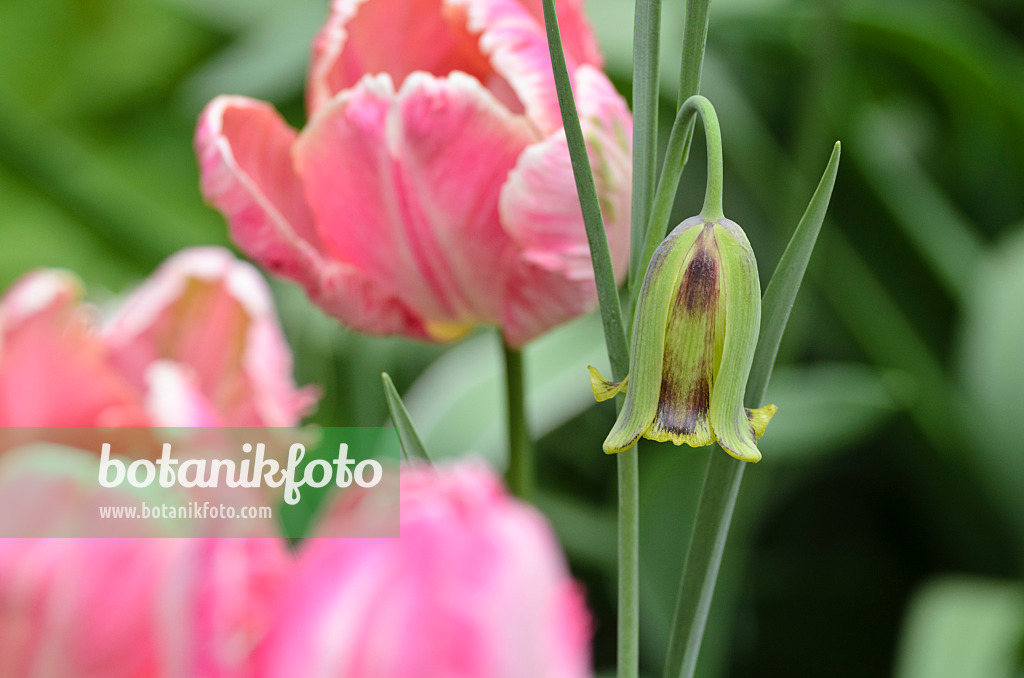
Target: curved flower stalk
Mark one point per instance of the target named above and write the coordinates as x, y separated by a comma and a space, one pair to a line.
431, 189
475, 587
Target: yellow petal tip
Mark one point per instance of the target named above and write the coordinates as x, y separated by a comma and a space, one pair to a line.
603, 388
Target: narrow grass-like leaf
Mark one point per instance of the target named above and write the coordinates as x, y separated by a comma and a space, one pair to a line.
597, 238
412, 445
628, 643
722, 483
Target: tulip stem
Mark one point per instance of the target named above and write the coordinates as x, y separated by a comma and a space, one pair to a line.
520, 449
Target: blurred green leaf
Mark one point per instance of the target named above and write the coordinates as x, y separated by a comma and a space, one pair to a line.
267, 61
828, 406
459, 400
946, 240
412, 446
959, 627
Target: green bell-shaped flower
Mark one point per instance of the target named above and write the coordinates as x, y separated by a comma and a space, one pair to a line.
696, 326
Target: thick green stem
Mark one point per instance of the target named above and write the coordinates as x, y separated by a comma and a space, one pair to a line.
673, 169
628, 657
520, 472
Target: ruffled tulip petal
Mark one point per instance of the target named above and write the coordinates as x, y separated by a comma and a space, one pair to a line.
742, 322
212, 315
245, 158
513, 37
396, 37
53, 369
539, 206
474, 587
396, 184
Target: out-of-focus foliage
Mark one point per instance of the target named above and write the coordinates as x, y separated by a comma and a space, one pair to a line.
897, 456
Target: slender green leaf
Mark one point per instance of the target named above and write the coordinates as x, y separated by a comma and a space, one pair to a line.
785, 283
628, 656
597, 238
724, 475
412, 445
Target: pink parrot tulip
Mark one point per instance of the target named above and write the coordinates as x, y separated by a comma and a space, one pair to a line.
431, 190
476, 587
136, 608
198, 344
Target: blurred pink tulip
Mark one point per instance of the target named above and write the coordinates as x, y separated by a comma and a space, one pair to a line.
431, 189
198, 344
53, 367
136, 608
476, 587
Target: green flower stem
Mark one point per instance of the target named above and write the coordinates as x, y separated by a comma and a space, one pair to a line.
695, 35
628, 651
724, 475
673, 169
520, 472
646, 41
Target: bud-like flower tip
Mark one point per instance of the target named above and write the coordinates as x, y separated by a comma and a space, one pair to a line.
694, 334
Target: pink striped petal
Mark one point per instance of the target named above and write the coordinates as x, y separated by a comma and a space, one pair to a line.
53, 367
475, 587
513, 37
244, 150
398, 188
212, 318
217, 603
540, 210
393, 37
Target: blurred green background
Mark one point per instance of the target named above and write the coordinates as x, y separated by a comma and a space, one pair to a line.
884, 532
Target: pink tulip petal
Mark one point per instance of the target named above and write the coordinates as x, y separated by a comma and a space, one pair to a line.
53, 368
396, 182
212, 317
475, 587
540, 210
513, 36
217, 603
578, 39
244, 150
393, 37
